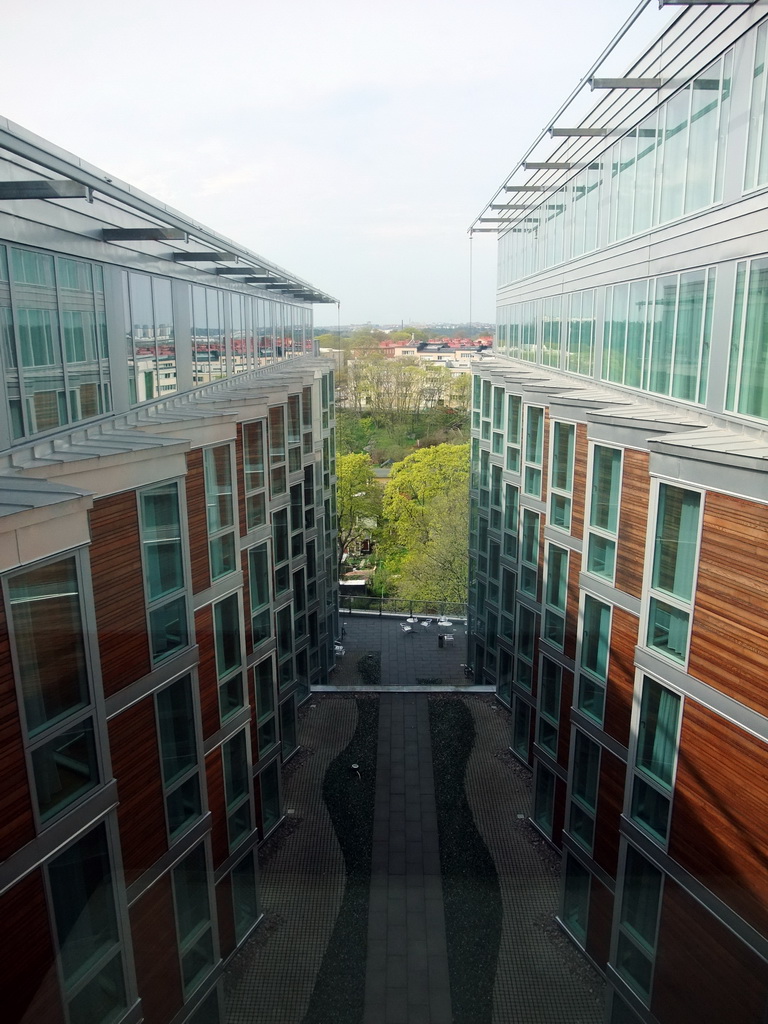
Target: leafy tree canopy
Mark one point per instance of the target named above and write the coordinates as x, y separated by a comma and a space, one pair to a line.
358, 496
414, 483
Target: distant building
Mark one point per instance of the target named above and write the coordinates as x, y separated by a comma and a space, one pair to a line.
619, 565
167, 562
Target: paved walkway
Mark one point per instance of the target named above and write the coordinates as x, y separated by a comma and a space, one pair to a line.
407, 971
540, 978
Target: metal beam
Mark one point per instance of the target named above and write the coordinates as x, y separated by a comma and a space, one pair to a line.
233, 270
203, 257
527, 188
586, 132
704, 3
60, 188
546, 166
258, 280
625, 83
142, 235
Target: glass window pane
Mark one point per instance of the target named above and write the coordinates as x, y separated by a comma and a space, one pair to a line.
183, 805
65, 768
244, 896
677, 525
161, 534
595, 636
218, 488
176, 719
83, 903
606, 485
576, 898
226, 624
49, 641
168, 628
657, 734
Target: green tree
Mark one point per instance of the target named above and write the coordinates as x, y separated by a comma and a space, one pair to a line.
358, 498
437, 570
415, 483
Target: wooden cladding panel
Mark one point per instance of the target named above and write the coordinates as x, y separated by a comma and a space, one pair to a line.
729, 641
719, 829
155, 951
723, 979
118, 591
26, 951
633, 522
198, 522
579, 480
599, 925
206, 672
572, 606
17, 825
226, 916
621, 675
217, 804
610, 799
136, 765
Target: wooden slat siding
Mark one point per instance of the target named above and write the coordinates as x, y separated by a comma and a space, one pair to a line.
719, 829
610, 800
155, 951
240, 471
136, 765
599, 923
633, 521
722, 980
578, 504
27, 952
206, 671
572, 606
217, 804
17, 825
564, 732
118, 591
198, 523
621, 675
226, 916
729, 642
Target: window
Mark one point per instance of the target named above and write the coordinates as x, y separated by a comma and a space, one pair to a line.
584, 784
529, 553
245, 898
580, 339
86, 922
281, 550
521, 728
561, 483
258, 578
176, 722
604, 512
284, 634
277, 468
513, 433
229, 657
526, 643
747, 391
237, 788
594, 649
544, 799
576, 898
253, 472
674, 564
288, 727
511, 505
149, 323
219, 499
638, 922
49, 630
269, 783
655, 758
264, 685
534, 450
556, 594
164, 581
549, 705
193, 918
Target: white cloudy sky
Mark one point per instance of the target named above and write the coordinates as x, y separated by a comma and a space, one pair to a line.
352, 143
